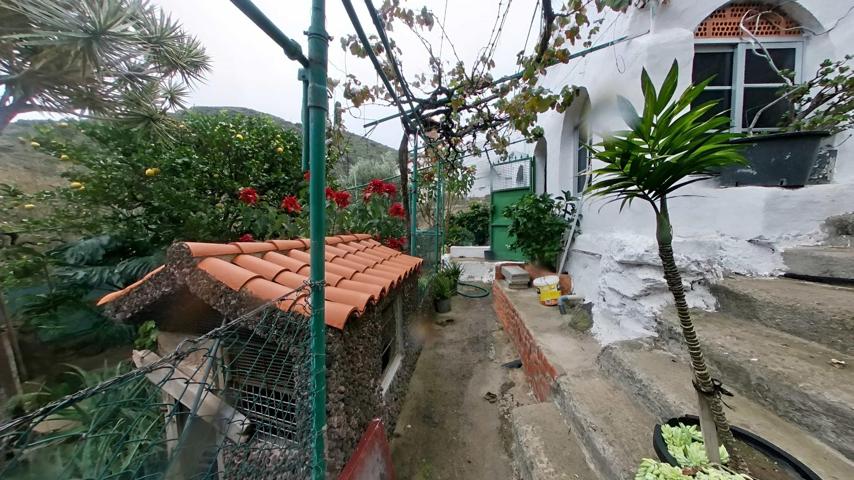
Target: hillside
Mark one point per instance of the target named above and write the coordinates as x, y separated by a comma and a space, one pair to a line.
32, 170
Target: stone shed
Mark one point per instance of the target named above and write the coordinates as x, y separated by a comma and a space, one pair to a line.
371, 301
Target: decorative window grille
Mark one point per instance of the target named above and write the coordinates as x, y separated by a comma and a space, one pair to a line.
725, 22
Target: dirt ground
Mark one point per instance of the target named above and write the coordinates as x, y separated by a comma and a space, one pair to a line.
454, 423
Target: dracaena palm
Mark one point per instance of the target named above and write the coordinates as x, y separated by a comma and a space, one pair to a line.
122, 59
671, 144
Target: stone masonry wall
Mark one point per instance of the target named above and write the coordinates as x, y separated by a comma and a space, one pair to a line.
540, 373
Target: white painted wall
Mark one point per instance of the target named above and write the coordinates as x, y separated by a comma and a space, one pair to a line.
718, 231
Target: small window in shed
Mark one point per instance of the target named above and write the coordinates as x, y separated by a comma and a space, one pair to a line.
391, 342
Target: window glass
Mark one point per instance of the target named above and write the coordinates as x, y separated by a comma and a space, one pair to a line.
757, 98
718, 64
724, 98
758, 70
582, 158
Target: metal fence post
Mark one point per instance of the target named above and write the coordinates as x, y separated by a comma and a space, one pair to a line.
317, 109
413, 201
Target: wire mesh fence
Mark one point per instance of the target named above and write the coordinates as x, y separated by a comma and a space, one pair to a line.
235, 402
511, 173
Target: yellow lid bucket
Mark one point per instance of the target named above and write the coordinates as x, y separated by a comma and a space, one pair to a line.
548, 289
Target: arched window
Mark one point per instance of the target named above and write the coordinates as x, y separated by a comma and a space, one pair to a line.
540, 167
747, 47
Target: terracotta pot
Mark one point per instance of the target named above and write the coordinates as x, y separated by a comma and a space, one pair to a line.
565, 284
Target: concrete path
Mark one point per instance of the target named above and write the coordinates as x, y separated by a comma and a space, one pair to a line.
448, 429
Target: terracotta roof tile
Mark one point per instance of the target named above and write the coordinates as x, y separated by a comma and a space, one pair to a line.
228, 273
266, 269
359, 267
291, 264
198, 249
359, 271
287, 244
254, 247
345, 272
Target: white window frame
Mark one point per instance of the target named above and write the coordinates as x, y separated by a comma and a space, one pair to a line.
394, 365
740, 49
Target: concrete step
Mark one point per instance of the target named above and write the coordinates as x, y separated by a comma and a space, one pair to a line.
662, 382
613, 429
790, 376
834, 263
544, 448
818, 312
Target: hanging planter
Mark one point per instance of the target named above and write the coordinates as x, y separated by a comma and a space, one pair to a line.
775, 160
766, 460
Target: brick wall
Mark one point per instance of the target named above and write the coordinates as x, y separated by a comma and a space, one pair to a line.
539, 372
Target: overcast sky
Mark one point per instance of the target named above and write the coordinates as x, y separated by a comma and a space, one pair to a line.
249, 70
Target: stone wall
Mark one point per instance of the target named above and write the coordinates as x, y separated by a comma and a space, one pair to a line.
540, 373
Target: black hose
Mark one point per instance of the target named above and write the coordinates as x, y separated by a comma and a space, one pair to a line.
483, 292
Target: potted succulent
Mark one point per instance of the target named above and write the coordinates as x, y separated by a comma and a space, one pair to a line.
819, 107
669, 145
442, 289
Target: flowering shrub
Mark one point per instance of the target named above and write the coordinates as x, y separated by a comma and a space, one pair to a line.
378, 213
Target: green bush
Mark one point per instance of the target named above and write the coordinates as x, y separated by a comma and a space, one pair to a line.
470, 226
537, 225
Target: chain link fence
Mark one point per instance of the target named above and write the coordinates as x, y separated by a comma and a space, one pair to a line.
235, 402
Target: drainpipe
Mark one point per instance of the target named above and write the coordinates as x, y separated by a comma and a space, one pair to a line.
317, 109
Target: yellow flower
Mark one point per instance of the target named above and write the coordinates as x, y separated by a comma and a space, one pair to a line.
76, 185
35, 144
151, 172
279, 150
64, 157
29, 206
239, 136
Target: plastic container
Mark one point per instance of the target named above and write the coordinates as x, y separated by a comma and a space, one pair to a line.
548, 288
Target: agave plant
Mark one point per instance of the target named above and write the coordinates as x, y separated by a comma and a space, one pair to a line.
670, 145
119, 58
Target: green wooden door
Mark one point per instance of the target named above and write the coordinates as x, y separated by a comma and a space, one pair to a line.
498, 236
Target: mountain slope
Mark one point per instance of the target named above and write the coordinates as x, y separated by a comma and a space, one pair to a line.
32, 170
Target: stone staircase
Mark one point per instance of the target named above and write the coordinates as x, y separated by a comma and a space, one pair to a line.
777, 343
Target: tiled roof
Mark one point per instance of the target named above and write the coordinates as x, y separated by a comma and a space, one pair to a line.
359, 271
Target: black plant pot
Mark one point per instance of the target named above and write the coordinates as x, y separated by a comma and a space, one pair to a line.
775, 160
752, 440
442, 305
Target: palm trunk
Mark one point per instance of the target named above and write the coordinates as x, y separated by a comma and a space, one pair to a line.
702, 376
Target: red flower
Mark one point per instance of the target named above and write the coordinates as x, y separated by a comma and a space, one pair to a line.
376, 186
306, 175
246, 237
248, 195
390, 189
342, 198
330, 193
290, 204
397, 210
395, 243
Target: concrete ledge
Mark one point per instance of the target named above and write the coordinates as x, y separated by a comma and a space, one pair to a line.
661, 381
458, 251
543, 447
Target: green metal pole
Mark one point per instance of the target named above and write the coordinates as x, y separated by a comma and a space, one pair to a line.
317, 110
303, 76
413, 200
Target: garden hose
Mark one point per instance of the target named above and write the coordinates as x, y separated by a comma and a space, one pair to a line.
481, 294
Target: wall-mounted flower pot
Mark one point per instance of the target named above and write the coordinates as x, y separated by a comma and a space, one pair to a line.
775, 160
785, 463
442, 305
